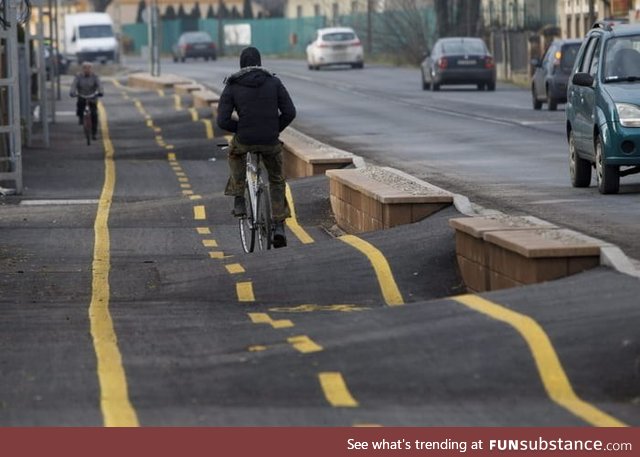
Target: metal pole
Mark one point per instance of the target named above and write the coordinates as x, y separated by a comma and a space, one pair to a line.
42, 78
26, 89
592, 13
53, 61
369, 27
15, 138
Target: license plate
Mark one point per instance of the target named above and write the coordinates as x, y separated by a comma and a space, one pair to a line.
467, 62
201, 46
339, 47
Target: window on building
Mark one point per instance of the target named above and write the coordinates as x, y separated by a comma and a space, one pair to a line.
335, 11
354, 6
299, 11
316, 10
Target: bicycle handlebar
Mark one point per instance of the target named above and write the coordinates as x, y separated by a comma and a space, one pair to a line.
90, 97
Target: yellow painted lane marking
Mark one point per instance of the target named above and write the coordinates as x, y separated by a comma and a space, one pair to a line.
169, 146
551, 372
203, 230
116, 407
388, 286
257, 348
310, 308
228, 137
208, 128
149, 123
183, 179
178, 101
199, 213
161, 92
117, 83
244, 291
194, 114
187, 192
180, 174
159, 138
157, 129
234, 268
218, 255
304, 344
292, 222
171, 156
210, 243
185, 186
195, 197
264, 318
335, 390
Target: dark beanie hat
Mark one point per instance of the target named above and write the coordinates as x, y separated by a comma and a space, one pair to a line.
250, 57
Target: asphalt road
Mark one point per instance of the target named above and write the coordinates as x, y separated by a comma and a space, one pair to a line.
491, 146
126, 300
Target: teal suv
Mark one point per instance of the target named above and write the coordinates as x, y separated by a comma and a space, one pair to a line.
603, 107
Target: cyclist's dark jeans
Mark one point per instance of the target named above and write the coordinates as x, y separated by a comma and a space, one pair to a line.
93, 108
272, 159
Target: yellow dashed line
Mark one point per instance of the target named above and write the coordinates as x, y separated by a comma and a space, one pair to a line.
187, 192
157, 129
292, 222
203, 230
161, 92
217, 255
208, 128
388, 286
336, 391
210, 243
185, 186
195, 197
551, 372
149, 123
304, 344
178, 101
180, 174
234, 268
116, 407
183, 179
169, 146
199, 213
171, 156
194, 114
264, 318
244, 291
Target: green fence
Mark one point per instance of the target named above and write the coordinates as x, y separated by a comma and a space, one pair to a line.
283, 36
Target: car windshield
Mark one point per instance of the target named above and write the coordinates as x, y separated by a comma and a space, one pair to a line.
622, 59
339, 36
569, 54
95, 31
463, 47
197, 38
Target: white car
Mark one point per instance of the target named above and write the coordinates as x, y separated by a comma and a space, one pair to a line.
335, 46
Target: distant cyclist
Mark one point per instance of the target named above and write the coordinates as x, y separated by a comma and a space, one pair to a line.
264, 110
87, 83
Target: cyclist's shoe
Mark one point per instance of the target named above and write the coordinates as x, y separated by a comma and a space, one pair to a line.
239, 207
279, 237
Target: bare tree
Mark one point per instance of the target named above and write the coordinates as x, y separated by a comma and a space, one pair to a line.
458, 17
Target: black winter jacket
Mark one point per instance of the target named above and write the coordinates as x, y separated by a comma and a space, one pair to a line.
263, 105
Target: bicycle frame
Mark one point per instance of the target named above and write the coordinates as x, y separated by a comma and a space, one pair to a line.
87, 122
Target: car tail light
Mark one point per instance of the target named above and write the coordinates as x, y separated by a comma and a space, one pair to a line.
212, 45
443, 63
356, 43
323, 45
488, 62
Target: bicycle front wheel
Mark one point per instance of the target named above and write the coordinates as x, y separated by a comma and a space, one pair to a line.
264, 224
86, 122
247, 225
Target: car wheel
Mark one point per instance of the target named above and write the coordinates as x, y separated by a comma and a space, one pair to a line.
579, 168
481, 86
552, 102
606, 175
435, 86
537, 104
491, 86
425, 85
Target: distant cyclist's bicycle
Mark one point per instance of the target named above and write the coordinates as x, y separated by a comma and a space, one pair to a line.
257, 224
87, 122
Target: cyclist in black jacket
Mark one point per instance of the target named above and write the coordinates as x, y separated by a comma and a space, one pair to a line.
264, 110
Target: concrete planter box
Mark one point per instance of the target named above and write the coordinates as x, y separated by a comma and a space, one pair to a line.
363, 202
303, 156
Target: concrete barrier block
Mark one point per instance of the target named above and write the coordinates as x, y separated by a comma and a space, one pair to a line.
187, 88
305, 156
204, 98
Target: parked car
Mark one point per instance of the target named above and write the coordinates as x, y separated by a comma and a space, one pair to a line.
335, 46
192, 45
460, 60
549, 82
603, 107
54, 62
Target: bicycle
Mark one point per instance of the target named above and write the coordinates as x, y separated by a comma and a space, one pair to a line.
87, 123
258, 222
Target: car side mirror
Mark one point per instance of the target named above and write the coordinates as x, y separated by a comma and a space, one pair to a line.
582, 79
535, 63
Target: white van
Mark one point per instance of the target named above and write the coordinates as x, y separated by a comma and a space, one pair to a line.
89, 37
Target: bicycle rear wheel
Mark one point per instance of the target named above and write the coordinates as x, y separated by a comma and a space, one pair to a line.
86, 123
264, 225
247, 225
